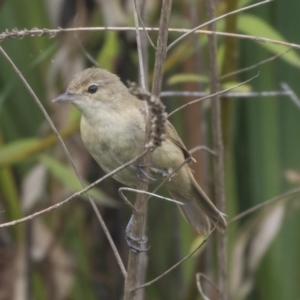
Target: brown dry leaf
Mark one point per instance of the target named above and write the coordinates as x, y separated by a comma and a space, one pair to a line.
267, 229
44, 243
292, 176
54, 11
252, 244
20, 275
33, 187
114, 13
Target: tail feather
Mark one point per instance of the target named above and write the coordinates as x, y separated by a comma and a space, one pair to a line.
198, 210
214, 215
193, 214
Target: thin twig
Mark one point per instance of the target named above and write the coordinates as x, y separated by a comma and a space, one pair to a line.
291, 94
228, 95
215, 20
178, 263
48, 119
265, 203
15, 33
255, 65
142, 23
147, 193
204, 148
171, 174
199, 286
139, 46
85, 52
83, 191
142, 12
198, 276
211, 95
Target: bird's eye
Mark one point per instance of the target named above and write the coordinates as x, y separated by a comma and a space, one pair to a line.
93, 89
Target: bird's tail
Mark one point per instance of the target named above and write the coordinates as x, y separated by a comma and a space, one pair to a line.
198, 210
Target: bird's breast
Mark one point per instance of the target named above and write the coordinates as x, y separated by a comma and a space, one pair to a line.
114, 139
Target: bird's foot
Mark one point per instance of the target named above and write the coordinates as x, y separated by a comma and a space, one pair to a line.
135, 249
130, 240
166, 173
141, 173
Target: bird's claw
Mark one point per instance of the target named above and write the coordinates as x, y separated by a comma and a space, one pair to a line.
166, 173
135, 249
163, 172
141, 173
131, 239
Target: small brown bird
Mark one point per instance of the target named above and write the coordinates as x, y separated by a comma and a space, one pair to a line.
113, 131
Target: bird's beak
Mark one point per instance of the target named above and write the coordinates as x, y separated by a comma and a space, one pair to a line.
65, 97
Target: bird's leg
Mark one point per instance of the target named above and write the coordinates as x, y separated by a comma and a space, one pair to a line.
162, 172
129, 239
154, 170
141, 172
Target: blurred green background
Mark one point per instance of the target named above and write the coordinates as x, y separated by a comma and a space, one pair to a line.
64, 254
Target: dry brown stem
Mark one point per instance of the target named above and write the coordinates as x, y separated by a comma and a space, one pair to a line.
141, 201
219, 150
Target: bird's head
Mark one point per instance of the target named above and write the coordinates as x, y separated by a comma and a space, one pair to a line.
94, 89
